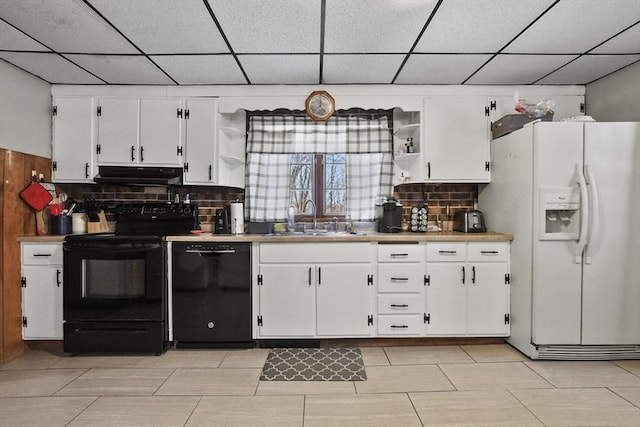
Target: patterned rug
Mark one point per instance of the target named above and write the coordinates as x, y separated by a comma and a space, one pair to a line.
314, 364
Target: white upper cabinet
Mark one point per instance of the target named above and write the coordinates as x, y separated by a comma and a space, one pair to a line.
456, 139
72, 139
134, 131
200, 141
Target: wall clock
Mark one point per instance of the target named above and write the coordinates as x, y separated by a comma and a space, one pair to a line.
320, 106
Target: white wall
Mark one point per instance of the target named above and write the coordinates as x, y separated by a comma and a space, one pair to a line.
25, 112
615, 98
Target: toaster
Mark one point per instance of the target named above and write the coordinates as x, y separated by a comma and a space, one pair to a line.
469, 222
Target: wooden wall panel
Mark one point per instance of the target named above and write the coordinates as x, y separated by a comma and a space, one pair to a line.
17, 219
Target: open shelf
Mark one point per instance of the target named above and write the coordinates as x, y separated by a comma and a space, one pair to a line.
407, 130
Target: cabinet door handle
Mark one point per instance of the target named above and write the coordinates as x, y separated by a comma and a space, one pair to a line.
399, 326
309, 276
489, 252
473, 275
399, 305
41, 255
86, 170
399, 255
447, 252
58, 282
463, 275
319, 276
141, 154
399, 279
210, 172
133, 153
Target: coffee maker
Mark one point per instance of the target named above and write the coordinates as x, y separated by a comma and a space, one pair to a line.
389, 216
223, 220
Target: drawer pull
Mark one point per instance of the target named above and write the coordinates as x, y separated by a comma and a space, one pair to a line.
448, 252
399, 305
489, 252
399, 255
41, 255
399, 279
399, 327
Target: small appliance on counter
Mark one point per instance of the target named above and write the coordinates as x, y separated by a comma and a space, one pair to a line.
469, 222
389, 216
223, 220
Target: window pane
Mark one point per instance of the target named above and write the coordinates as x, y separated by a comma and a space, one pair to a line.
301, 181
335, 184
336, 202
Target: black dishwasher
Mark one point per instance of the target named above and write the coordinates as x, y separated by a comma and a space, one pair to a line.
211, 283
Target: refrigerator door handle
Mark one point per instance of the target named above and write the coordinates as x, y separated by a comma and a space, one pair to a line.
594, 209
584, 217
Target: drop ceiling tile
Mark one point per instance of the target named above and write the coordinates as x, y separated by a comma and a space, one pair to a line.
118, 69
358, 69
281, 69
439, 69
50, 67
518, 69
274, 26
588, 68
165, 26
627, 42
479, 26
575, 26
12, 39
374, 26
201, 69
64, 25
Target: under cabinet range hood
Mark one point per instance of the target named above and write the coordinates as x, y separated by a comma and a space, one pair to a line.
138, 175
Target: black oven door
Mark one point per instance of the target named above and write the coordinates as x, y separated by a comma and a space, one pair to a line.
114, 280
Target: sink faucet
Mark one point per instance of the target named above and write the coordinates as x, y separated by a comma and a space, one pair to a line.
313, 210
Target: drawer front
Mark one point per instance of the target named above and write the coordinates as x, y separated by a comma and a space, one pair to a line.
400, 325
400, 304
444, 252
399, 253
315, 252
487, 251
400, 277
42, 253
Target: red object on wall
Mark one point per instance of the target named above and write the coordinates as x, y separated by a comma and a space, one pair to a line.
36, 196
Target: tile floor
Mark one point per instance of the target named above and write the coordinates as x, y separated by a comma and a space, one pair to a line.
473, 385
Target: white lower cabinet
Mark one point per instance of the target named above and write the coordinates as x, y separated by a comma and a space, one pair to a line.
467, 289
313, 290
42, 291
400, 282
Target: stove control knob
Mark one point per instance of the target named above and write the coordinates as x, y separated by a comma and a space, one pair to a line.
210, 325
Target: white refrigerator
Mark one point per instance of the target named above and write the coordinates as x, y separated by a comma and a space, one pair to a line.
570, 194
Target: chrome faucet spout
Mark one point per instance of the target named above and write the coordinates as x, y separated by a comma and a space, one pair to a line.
313, 210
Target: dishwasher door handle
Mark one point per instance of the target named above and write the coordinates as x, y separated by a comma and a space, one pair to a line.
221, 251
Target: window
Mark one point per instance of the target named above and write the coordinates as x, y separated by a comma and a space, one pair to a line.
342, 164
321, 178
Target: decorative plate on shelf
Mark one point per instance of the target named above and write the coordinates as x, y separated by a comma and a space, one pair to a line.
320, 106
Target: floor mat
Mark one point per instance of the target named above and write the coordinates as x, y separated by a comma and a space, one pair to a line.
314, 364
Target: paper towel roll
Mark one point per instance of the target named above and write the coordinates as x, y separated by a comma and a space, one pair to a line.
237, 218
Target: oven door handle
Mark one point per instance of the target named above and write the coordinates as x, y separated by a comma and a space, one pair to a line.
217, 251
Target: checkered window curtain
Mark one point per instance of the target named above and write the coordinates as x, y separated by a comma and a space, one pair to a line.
272, 139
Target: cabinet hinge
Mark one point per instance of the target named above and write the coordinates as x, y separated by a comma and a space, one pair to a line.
186, 167
427, 318
582, 107
427, 280
259, 320
179, 150
24, 321
486, 111
98, 149
259, 279
179, 113
54, 166
99, 111
487, 166
370, 280
186, 114
370, 320
54, 110
507, 279
23, 282
507, 320
493, 105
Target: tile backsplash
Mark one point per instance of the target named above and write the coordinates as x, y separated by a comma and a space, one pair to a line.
209, 199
